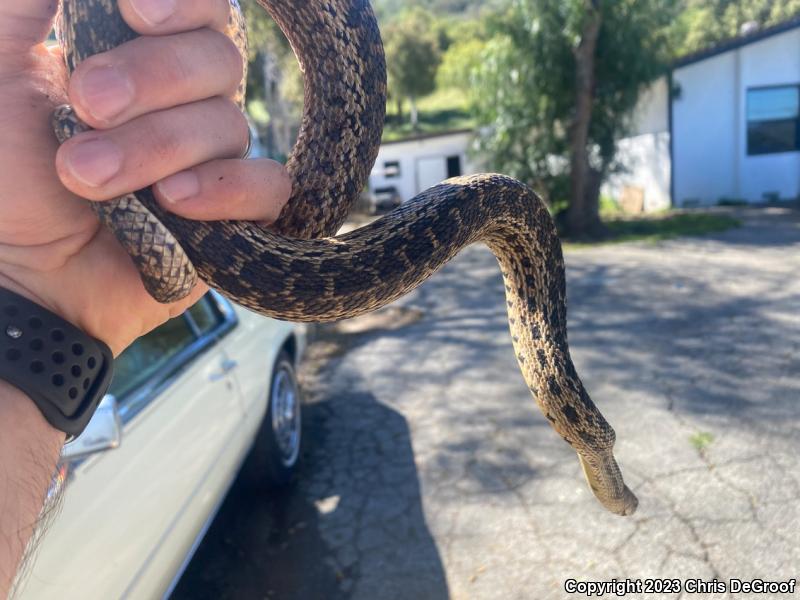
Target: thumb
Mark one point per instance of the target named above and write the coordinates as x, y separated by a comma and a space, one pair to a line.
24, 24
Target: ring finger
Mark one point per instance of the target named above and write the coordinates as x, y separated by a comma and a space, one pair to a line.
101, 165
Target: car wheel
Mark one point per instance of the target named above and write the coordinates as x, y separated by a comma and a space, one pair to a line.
276, 451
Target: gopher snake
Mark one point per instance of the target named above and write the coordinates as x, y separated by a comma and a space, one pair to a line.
293, 271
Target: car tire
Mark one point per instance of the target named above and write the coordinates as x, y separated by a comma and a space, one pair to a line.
276, 451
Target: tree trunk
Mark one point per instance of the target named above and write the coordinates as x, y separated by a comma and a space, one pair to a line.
399, 103
591, 195
583, 215
414, 114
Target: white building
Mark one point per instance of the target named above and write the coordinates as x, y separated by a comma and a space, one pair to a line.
724, 125
729, 129
644, 155
736, 120
415, 164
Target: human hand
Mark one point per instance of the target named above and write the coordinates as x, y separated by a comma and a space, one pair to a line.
160, 105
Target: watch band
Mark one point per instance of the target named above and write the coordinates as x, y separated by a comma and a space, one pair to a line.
64, 371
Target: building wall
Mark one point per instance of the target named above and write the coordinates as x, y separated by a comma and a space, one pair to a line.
774, 61
422, 162
645, 159
651, 114
704, 117
710, 159
644, 154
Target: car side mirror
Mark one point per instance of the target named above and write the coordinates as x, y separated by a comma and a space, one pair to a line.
104, 432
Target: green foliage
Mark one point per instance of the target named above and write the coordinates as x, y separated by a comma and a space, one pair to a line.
258, 112
609, 207
656, 229
701, 441
459, 62
412, 55
264, 36
444, 110
525, 87
703, 23
387, 10
263, 33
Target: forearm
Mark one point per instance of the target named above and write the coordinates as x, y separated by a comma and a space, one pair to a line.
29, 451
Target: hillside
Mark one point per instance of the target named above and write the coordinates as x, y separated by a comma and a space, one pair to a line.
386, 9
445, 109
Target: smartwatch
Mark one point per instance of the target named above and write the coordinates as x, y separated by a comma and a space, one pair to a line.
64, 371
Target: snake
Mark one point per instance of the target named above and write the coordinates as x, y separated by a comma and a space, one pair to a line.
298, 269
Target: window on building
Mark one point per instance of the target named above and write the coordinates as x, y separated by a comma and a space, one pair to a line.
773, 119
391, 169
453, 166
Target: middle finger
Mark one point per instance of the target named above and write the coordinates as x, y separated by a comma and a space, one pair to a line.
101, 165
153, 73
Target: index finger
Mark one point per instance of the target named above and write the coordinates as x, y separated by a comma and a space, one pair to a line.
165, 17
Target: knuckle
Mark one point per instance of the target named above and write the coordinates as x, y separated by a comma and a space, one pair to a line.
173, 135
234, 118
166, 62
174, 64
185, 59
162, 140
231, 61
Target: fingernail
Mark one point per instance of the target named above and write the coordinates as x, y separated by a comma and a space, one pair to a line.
94, 162
105, 92
153, 12
179, 187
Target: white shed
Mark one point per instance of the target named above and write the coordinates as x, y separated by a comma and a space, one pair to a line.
415, 164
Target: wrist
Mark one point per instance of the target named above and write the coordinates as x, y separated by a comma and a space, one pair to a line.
64, 371
20, 419
14, 284
30, 449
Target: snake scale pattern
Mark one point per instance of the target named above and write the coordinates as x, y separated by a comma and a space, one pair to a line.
294, 270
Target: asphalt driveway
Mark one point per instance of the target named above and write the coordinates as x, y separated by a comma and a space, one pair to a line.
430, 473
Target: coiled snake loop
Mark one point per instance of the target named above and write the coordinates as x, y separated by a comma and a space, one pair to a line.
294, 271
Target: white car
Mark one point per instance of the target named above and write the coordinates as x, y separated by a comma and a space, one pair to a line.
188, 403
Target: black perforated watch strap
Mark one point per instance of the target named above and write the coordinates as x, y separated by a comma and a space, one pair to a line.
65, 372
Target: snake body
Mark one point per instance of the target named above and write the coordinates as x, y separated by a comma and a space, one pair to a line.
294, 270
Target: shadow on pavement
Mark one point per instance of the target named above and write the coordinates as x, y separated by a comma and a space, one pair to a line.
351, 527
